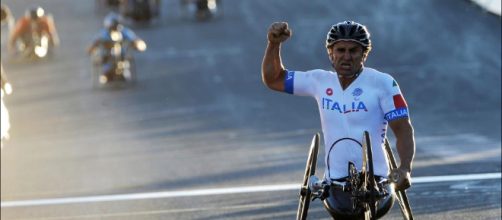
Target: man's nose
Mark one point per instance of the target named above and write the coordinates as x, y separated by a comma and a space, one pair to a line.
347, 55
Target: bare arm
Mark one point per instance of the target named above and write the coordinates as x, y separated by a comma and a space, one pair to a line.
14, 34
93, 46
52, 30
273, 71
405, 144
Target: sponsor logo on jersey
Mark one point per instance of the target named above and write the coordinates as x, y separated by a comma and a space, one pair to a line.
396, 114
290, 75
329, 91
289, 82
384, 131
357, 92
329, 104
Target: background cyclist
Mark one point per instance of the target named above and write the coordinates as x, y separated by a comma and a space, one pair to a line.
34, 20
113, 31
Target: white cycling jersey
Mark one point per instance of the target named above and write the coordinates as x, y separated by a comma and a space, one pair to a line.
371, 101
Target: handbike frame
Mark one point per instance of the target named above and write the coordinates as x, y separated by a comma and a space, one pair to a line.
362, 185
305, 190
401, 195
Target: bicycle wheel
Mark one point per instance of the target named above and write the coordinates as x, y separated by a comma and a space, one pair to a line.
402, 198
370, 176
305, 192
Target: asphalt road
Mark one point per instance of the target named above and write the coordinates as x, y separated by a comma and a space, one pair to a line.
200, 117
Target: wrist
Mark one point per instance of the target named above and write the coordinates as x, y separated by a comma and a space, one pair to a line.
274, 43
405, 168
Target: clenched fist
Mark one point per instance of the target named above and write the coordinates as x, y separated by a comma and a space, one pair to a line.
278, 32
402, 178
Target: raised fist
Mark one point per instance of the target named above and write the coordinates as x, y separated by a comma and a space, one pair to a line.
278, 32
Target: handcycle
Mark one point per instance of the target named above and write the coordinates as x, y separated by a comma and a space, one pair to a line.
33, 46
117, 56
365, 191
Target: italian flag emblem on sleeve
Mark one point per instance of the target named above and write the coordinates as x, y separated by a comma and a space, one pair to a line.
399, 101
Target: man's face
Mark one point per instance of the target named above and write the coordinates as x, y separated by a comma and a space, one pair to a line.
347, 57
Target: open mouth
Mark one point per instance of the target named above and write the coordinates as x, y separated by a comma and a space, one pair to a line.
346, 65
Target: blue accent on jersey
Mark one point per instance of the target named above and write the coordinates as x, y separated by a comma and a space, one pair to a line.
289, 82
397, 114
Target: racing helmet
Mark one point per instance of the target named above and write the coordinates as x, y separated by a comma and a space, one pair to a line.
111, 21
349, 31
35, 12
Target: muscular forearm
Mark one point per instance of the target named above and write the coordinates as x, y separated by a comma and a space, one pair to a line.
91, 48
272, 67
52, 31
12, 38
54, 38
405, 144
14, 34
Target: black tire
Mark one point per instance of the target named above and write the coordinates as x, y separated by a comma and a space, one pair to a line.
305, 192
401, 196
370, 177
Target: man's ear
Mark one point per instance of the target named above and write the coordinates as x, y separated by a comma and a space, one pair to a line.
330, 53
365, 56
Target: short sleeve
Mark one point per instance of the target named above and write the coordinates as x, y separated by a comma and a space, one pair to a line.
392, 101
300, 83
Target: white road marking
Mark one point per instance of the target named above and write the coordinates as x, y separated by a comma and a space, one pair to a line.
480, 155
216, 191
433, 179
161, 212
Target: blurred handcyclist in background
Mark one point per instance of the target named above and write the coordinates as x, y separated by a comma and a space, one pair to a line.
35, 22
109, 36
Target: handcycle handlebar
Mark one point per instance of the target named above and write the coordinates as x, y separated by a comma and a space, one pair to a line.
320, 187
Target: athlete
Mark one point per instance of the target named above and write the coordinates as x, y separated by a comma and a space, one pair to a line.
35, 20
113, 32
351, 100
